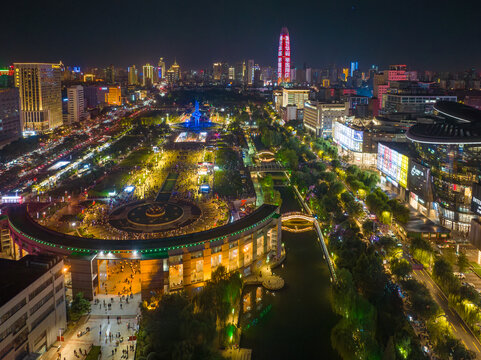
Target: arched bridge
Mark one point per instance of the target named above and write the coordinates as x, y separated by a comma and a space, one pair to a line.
308, 217
297, 215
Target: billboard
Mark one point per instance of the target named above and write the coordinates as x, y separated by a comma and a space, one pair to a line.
393, 164
347, 137
418, 180
476, 199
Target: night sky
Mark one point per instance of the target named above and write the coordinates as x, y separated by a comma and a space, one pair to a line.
425, 34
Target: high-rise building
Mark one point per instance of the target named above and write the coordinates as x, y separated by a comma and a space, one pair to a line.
9, 116
76, 104
345, 73
250, 72
354, 67
161, 68
240, 70
318, 117
114, 96
148, 75
217, 71
173, 74
110, 74
232, 73
284, 58
133, 76
40, 95
267, 75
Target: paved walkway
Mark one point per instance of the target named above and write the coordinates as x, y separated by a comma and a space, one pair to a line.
110, 326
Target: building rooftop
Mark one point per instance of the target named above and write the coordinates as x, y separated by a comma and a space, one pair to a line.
22, 273
455, 124
400, 147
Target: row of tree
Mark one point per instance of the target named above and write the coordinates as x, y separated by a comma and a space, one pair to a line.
181, 327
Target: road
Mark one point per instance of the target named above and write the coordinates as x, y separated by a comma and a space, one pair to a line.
460, 330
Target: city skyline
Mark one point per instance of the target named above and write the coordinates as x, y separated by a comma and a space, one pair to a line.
368, 32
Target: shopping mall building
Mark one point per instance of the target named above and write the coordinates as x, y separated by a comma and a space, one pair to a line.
449, 151
180, 262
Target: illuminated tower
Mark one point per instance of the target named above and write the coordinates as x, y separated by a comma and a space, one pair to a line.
284, 58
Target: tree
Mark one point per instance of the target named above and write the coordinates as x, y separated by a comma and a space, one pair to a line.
422, 302
79, 307
463, 262
175, 331
443, 271
369, 227
401, 268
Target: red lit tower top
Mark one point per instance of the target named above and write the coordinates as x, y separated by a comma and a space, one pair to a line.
284, 58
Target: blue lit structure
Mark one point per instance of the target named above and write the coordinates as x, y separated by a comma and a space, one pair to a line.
197, 121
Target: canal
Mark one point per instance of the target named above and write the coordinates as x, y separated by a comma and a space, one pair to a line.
295, 322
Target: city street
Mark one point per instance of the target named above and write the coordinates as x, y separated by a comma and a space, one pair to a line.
460, 329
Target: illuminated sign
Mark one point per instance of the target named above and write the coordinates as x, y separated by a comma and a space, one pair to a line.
348, 137
476, 199
11, 199
419, 181
393, 164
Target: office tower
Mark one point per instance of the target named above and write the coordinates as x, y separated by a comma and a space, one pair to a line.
284, 58
354, 67
176, 68
110, 74
250, 72
240, 70
217, 71
345, 73
40, 95
232, 73
133, 77
76, 104
95, 96
114, 96
267, 75
173, 74
148, 75
309, 75
161, 68
10, 129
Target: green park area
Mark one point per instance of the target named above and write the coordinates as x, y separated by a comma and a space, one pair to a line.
136, 158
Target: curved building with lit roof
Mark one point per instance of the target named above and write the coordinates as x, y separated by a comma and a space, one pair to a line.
451, 146
184, 261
